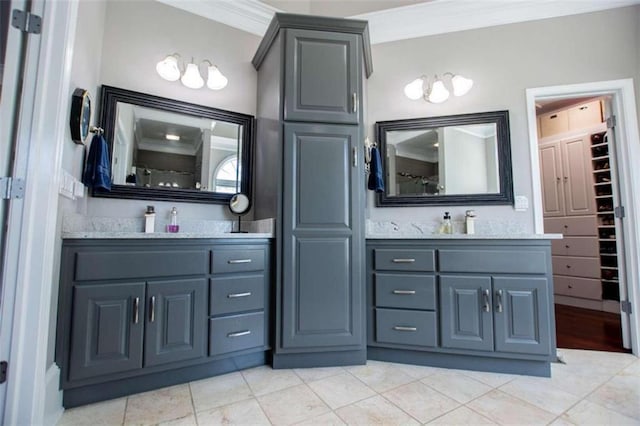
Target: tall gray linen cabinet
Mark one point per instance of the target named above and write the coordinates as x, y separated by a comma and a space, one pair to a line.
309, 176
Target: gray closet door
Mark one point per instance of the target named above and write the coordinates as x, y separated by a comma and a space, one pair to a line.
521, 315
176, 321
106, 329
466, 317
322, 238
322, 77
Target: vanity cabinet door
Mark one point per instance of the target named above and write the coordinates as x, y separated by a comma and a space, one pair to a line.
176, 320
322, 82
107, 327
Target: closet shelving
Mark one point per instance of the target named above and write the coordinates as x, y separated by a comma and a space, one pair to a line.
605, 214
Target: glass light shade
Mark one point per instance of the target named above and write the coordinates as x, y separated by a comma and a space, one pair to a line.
461, 85
215, 79
191, 77
168, 68
414, 90
438, 93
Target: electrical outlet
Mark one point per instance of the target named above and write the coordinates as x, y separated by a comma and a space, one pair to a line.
521, 203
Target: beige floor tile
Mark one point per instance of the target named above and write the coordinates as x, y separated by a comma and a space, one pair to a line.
415, 371
632, 370
374, 411
343, 389
495, 380
292, 405
620, 394
596, 362
329, 419
509, 410
588, 413
263, 380
312, 374
462, 416
541, 393
189, 420
380, 376
159, 405
101, 413
218, 391
246, 412
420, 401
457, 386
579, 384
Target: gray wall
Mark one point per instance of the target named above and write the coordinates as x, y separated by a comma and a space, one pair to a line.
503, 61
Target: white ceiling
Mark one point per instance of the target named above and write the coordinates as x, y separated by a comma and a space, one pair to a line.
391, 20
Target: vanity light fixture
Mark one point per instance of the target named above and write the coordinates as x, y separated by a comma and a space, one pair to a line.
170, 70
435, 91
171, 137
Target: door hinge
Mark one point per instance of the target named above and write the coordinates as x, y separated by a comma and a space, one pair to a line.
11, 188
625, 306
4, 365
611, 122
619, 212
25, 21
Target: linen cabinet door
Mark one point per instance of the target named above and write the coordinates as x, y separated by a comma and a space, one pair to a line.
466, 319
322, 285
322, 77
107, 327
176, 321
521, 315
578, 180
551, 176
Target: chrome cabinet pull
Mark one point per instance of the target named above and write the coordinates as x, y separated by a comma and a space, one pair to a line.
404, 292
403, 328
354, 153
152, 309
485, 295
136, 310
236, 295
239, 333
354, 102
235, 261
403, 260
499, 304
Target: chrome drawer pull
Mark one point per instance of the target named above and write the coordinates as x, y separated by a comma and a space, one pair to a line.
234, 261
239, 333
404, 292
235, 295
402, 328
403, 260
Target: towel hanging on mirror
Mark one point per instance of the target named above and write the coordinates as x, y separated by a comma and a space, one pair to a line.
376, 181
97, 168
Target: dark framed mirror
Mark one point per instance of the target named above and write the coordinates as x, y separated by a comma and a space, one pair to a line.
451, 160
164, 149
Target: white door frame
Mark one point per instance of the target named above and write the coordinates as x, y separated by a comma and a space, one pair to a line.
628, 155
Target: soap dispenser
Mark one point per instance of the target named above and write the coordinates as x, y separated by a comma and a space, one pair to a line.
173, 221
149, 220
469, 221
446, 227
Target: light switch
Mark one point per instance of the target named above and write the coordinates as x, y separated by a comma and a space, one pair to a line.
521, 203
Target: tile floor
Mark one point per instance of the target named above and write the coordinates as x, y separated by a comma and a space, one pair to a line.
591, 388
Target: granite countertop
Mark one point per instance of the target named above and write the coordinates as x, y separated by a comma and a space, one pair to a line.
406, 236
160, 235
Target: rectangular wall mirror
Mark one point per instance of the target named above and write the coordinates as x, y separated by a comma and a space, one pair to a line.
163, 149
449, 160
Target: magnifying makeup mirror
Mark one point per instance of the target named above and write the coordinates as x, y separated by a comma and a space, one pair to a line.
239, 205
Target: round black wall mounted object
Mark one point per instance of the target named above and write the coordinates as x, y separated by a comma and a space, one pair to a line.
80, 115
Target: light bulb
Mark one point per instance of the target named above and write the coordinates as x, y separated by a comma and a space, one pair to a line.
461, 85
215, 79
168, 68
191, 77
414, 90
438, 93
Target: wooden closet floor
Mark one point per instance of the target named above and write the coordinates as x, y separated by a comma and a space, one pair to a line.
578, 328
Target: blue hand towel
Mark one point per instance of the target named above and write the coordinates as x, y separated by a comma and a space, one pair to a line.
97, 170
376, 181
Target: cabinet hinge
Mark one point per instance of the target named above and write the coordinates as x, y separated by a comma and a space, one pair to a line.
4, 365
619, 212
11, 188
611, 122
26, 22
625, 306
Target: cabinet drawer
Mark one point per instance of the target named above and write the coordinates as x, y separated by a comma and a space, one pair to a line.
571, 226
235, 333
405, 291
108, 265
404, 259
236, 294
500, 261
575, 246
554, 122
224, 261
577, 287
587, 267
416, 328
585, 115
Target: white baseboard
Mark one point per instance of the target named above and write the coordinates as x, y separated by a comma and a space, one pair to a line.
595, 305
53, 396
